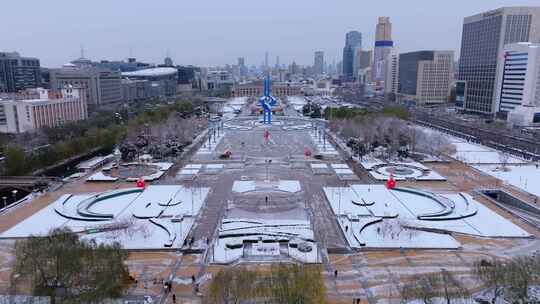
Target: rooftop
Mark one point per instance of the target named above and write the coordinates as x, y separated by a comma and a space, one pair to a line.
151, 72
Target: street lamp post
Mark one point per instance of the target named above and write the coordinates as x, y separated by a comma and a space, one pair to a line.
14, 195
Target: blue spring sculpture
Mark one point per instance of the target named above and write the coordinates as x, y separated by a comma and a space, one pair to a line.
267, 101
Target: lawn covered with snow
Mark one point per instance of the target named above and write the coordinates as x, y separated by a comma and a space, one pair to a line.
525, 177
406, 209
159, 216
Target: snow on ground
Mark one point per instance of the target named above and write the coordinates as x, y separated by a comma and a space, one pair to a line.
290, 186
324, 147
409, 208
100, 177
524, 177
320, 168
94, 162
381, 170
232, 105
393, 234
472, 153
297, 102
166, 214
215, 166
260, 240
162, 167
208, 147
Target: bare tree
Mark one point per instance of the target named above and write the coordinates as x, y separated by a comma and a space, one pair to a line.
503, 159
432, 286
492, 275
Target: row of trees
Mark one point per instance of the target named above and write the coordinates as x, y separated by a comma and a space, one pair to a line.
285, 283
102, 130
396, 136
511, 280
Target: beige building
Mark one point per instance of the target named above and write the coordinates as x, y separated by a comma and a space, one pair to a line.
255, 89
38, 108
425, 76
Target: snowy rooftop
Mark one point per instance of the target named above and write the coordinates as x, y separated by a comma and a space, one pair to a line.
151, 72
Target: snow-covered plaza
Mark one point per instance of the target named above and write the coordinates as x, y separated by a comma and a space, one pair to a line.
399, 170
374, 216
151, 218
257, 194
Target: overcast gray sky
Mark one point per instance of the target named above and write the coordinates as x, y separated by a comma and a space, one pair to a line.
216, 32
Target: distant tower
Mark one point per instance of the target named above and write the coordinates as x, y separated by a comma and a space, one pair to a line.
266, 60
277, 62
318, 64
383, 48
242, 66
168, 61
353, 42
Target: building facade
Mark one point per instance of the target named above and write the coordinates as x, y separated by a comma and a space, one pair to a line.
391, 82
18, 73
136, 90
256, 89
101, 86
162, 82
483, 39
425, 76
518, 83
318, 64
38, 108
353, 43
218, 80
383, 47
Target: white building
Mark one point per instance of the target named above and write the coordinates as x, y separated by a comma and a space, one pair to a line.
38, 108
518, 83
218, 79
391, 65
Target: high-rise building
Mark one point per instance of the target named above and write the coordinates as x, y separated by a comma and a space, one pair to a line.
365, 60
18, 73
318, 64
518, 83
425, 76
391, 65
484, 36
277, 62
353, 42
242, 66
362, 62
383, 47
37, 108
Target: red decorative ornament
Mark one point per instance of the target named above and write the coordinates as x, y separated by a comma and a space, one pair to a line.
391, 183
141, 183
307, 152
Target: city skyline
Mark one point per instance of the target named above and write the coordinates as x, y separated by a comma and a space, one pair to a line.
191, 38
